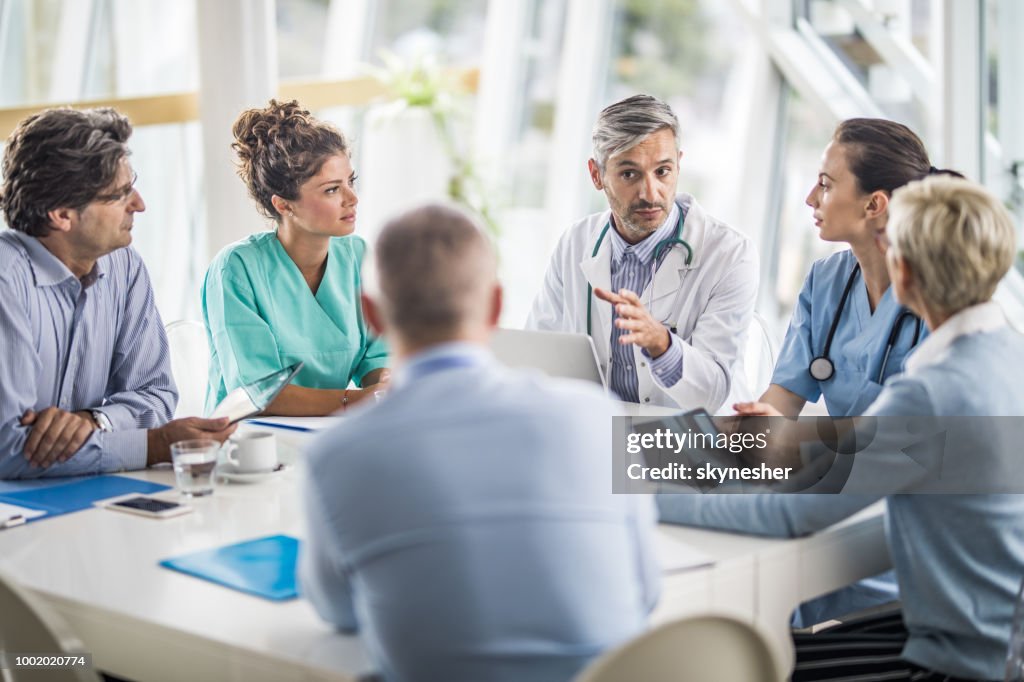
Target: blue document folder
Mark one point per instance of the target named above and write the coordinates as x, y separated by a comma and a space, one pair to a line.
74, 494
264, 567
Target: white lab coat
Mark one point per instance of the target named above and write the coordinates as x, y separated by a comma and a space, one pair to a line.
710, 302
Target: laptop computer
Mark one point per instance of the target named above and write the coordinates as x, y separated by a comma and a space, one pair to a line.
557, 354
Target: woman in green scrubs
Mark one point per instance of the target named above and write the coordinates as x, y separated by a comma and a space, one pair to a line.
292, 293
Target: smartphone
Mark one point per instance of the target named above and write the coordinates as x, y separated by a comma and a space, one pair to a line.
698, 443
145, 506
700, 421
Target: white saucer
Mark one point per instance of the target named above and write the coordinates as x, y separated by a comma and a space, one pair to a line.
228, 472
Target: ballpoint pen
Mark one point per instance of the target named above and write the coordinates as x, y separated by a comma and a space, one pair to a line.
12, 521
275, 425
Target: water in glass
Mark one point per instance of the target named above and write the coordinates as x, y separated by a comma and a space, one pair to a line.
194, 462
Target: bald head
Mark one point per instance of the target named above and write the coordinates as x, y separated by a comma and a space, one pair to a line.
435, 278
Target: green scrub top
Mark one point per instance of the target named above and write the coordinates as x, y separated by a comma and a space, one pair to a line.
261, 316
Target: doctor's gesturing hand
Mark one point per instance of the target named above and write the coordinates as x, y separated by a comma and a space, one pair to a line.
631, 315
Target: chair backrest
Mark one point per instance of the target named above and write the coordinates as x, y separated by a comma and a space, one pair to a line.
28, 625
696, 649
190, 364
1015, 654
759, 356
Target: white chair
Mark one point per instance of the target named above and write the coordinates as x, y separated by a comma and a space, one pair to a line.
695, 649
759, 356
190, 364
27, 626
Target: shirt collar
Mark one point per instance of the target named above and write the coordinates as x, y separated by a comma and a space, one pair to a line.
454, 353
976, 319
644, 249
48, 270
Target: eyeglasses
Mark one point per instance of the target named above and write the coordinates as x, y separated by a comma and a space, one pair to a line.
121, 194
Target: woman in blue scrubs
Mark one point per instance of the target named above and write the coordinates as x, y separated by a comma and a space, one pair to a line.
848, 334
292, 293
864, 163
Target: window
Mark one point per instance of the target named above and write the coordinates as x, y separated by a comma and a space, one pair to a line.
73, 50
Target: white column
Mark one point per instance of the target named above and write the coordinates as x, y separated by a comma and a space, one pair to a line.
962, 101
759, 134
585, 61
1011, 92
348, 32
237, 70
500, 97
74, 32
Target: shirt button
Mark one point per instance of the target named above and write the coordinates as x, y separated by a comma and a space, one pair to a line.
629, 366
643, 364
647, 400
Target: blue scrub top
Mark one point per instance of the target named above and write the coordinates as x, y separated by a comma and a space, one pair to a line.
858, 346
261, 317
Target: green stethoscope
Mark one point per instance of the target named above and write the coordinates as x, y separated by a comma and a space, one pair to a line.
662, 246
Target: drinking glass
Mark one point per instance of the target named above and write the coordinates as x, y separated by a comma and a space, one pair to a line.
194, 462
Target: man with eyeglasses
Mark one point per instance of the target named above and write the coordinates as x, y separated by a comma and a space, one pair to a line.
85, 372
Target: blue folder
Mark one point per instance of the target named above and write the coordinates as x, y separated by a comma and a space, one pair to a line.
70, 495
264, 567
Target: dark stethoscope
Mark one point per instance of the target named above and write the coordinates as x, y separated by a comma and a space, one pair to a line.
662, 246
822, 368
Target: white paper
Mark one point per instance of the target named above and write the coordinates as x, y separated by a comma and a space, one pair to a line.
9, 510
236, 405
674, 555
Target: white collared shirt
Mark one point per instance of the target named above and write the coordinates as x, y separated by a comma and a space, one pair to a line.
975, 319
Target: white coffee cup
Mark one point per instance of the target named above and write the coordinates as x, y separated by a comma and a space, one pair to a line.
252, 452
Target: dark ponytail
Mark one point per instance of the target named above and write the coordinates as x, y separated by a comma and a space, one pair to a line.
946, 171
884, 155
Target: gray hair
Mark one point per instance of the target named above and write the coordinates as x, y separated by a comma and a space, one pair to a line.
958, 239
623, 125
434, 273
60, 158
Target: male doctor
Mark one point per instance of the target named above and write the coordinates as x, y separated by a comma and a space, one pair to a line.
666, 291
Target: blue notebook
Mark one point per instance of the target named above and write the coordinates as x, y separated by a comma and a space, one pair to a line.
75, 494
264, 567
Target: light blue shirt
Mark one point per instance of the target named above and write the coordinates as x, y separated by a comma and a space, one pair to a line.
466, 527
858, 347
632, 268
958, 558
96, 343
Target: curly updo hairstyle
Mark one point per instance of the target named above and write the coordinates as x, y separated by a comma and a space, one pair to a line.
279, 148
59, 158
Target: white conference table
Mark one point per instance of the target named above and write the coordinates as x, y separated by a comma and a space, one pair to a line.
98, 568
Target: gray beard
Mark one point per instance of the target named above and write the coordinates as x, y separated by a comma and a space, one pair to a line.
635, 230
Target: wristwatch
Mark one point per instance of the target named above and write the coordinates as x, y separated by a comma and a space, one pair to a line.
102, 420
